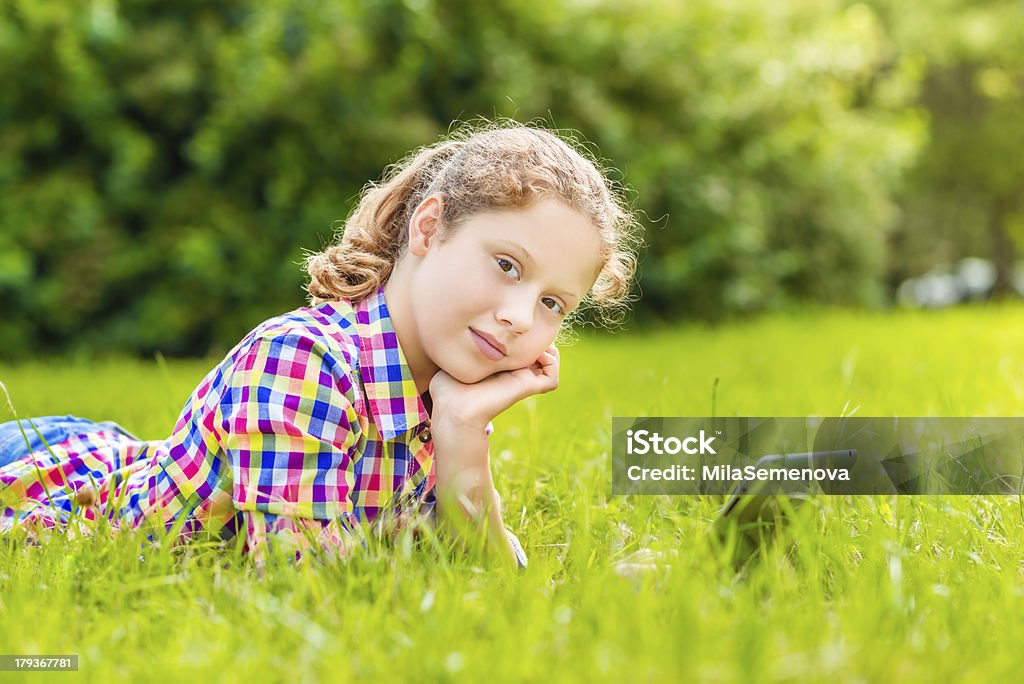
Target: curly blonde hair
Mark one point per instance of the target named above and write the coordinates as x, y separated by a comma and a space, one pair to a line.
481, 167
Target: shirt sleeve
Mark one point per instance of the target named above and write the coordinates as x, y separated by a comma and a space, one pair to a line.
290, 432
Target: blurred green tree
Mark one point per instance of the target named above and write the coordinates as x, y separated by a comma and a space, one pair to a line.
163, 166
964, 196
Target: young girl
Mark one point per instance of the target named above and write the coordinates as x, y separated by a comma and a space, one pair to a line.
436, 311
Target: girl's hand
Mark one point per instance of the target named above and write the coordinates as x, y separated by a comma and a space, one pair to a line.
477, 404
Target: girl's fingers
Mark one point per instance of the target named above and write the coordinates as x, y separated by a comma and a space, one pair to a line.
536, 380
548, 373
549, 356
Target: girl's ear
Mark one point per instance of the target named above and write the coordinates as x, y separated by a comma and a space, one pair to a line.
425, 225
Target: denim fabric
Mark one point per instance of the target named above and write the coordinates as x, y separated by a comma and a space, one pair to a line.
53, 429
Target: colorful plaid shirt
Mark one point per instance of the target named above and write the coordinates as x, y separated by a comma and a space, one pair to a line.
310, 426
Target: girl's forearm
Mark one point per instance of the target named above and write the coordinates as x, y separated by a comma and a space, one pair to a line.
464, 488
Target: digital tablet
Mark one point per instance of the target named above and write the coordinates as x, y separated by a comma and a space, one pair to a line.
755, 505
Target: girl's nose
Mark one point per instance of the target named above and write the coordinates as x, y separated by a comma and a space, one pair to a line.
517, 313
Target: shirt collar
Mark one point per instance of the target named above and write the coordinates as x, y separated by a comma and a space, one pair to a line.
387, 380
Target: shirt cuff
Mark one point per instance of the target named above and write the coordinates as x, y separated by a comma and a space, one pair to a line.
518, 548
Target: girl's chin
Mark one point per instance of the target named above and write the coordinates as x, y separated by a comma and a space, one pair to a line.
470, 374
471, 377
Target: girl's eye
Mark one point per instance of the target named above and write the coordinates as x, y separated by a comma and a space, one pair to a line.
553, 305
508, 267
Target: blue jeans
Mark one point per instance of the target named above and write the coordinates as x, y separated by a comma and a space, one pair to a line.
54, 429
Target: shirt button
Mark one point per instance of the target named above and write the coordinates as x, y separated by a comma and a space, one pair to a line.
86, 496
425, 435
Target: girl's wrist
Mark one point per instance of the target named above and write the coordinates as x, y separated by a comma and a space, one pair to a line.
463, 462
445, 422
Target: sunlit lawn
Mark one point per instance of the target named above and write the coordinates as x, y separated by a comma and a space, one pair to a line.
863, 589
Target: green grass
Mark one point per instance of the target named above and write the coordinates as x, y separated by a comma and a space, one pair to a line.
862, 588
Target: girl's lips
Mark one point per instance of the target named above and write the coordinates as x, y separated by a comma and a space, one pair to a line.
488, 350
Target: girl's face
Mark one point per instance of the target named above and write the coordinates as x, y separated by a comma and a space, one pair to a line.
493, 295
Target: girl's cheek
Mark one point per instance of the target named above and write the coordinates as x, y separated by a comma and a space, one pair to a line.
520, 361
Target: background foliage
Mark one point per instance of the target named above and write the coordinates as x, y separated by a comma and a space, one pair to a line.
163, 166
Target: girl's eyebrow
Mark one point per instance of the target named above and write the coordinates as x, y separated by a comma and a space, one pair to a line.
529, 259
